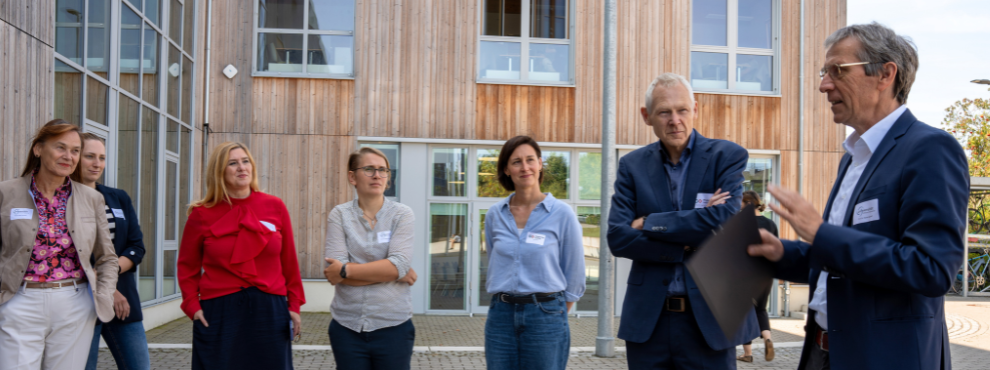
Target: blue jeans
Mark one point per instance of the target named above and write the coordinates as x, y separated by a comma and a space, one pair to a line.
527, 336
388, 348
126, 342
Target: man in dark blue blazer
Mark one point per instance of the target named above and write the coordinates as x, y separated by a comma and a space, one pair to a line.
892, 236
659, 216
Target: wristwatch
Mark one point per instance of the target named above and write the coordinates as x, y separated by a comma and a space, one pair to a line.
343, 271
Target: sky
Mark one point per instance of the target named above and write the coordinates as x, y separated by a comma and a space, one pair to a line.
953, 40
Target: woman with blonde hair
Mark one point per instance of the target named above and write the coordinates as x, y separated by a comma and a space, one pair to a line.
369, 248
58, 269
238, 270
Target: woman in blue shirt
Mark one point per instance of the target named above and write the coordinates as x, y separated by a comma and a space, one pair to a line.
535, 266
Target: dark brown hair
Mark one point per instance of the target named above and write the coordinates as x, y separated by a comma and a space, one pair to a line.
753, 198
54, 128
355, 159
86, 136
503, 159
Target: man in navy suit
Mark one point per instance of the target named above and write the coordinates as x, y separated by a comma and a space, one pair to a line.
892, 236
658, 218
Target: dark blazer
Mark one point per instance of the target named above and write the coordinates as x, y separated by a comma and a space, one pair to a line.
641, 189
127, 242
888, 276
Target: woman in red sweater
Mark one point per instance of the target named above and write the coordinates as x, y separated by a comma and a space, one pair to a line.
238, 270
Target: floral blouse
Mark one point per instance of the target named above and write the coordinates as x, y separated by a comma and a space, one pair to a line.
54, 257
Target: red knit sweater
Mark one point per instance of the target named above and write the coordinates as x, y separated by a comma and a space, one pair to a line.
239, 245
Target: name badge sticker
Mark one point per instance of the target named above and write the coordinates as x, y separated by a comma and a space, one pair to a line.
867, 211
533, 238
269, 225
703, 199
384, 236
118, 213
21, 214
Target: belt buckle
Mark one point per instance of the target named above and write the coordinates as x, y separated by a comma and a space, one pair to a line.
680, 309
501, 297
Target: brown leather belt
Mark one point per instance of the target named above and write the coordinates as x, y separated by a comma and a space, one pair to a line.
821, 338
53, 284
676, 304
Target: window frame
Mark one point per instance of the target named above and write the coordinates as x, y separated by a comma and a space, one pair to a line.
733, 50
524, 41
305, 32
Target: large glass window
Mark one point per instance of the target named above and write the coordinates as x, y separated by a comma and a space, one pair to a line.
758, 175
391, 152
525, 41
448, 227
734, 45
449, 166
305, 38
144, 114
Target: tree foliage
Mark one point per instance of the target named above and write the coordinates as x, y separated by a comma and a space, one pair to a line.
969, 121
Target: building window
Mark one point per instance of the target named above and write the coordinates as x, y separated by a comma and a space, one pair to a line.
526, 41
734, 46
304, 38
144, 115
391, 151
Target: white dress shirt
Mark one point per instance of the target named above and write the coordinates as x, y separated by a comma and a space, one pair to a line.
861, 149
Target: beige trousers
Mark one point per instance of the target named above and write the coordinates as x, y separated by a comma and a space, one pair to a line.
47, 328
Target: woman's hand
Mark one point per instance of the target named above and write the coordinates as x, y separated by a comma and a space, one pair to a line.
296, 324
120, 306
201, 317
332, 272
410, 277
718, 198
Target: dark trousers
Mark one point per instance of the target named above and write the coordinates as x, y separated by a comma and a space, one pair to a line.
761, 311
383, 349
817, 358
248, 330
677, 343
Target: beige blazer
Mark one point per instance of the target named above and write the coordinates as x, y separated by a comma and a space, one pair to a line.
86, 218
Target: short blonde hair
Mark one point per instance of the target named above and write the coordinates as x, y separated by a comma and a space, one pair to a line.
216, 187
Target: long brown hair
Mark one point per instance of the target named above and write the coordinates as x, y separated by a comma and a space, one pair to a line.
753, 198
54, 128
216, 187
86, 136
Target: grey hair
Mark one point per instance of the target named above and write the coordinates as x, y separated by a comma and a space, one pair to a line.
666, 80
881, 44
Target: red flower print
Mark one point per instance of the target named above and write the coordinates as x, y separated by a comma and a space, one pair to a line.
76, 274
67, 264
43, 252
70, 251
54, 262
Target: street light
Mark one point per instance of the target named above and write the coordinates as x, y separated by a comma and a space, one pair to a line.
982, 82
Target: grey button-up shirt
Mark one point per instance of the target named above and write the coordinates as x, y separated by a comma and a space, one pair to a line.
351, 239
676, 176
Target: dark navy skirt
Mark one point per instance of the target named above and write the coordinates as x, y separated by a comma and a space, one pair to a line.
248, 330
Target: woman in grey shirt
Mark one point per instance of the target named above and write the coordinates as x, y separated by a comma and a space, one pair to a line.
368, 249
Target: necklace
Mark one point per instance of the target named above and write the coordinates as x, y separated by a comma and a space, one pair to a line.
371, 219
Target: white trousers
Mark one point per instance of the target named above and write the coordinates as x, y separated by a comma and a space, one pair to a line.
47, 328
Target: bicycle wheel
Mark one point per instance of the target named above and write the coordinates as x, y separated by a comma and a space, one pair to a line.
977, 223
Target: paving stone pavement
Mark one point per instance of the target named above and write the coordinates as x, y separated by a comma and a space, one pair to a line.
967, 319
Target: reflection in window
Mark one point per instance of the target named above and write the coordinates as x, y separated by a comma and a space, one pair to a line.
175, 22
759, 174
488, 185
709, 70
755, 24
708, 24
281, 14
96, 100
68, 29
392, 153
548, 19
68, 84
280, 52
589, 217
449, 166
149, 78
503, 18
168, 274
330, 15
152, 10
447, 255
549, 62
187, 71
98, 45
753, 72
171, 199
127, 146
590, 175
187, 28
556, 173
330, 54
146, 204
500, 60
484, 298
172, 85
130, 50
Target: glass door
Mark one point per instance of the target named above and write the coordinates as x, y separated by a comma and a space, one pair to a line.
480, 298
448, 256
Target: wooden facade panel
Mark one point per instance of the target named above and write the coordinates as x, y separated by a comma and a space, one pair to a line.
415, 62
545, 113
34, 17
233, 32
302, 106
26, 94
640, 59
821, 169
589, 22
308, 173
750, 121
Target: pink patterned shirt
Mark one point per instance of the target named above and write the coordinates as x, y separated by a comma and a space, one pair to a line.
54, 257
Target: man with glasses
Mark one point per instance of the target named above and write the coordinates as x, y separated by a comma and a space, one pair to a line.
891, 239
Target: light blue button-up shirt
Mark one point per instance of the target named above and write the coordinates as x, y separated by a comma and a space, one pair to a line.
676, 176
546, 257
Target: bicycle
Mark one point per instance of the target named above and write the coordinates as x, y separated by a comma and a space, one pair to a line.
978, 274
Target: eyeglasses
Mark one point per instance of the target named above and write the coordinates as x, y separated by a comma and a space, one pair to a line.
370, 171
835, 70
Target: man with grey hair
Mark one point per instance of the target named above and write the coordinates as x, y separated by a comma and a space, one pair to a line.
891, 239
670, 196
